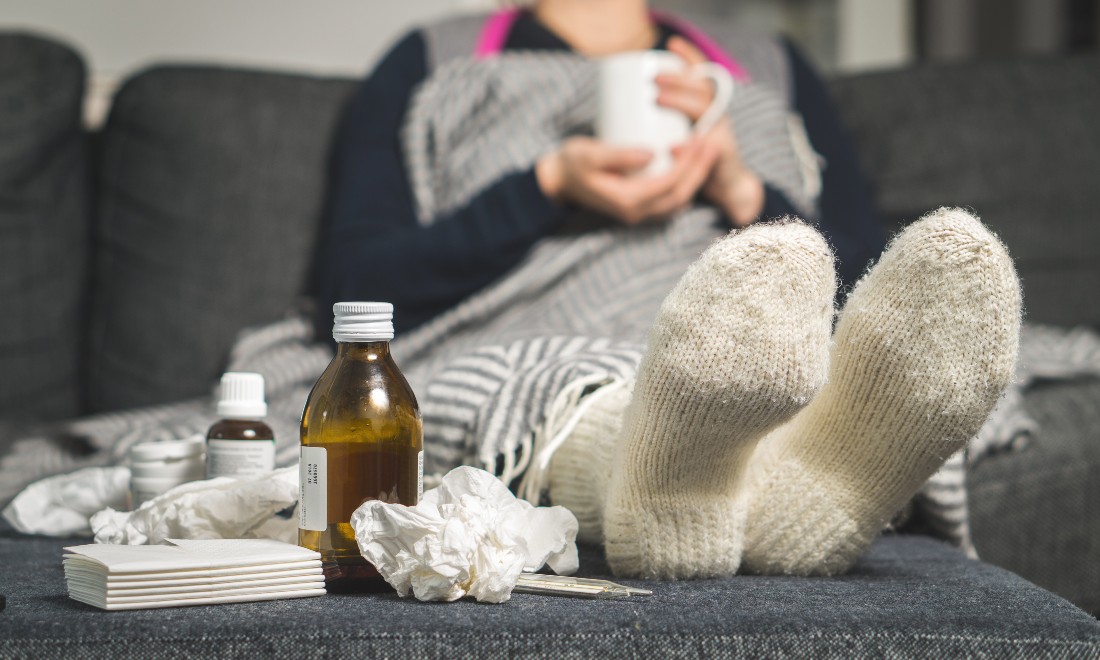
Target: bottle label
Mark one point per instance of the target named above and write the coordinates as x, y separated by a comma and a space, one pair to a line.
239, 458
419, 476
313, 489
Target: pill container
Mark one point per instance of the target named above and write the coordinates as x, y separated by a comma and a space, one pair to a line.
156, 467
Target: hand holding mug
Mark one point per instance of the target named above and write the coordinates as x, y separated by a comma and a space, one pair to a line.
730, 185
628, 111
596, 175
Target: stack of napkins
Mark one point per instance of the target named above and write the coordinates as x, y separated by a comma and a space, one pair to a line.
131, 577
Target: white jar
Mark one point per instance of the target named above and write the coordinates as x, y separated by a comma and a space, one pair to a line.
156, 467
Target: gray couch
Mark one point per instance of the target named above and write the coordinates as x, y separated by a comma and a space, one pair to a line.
132, 257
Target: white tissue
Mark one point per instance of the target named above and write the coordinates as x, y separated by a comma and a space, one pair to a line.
60, 506
468, 536
212, 509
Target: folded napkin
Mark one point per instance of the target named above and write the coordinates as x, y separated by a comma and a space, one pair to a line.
190, 572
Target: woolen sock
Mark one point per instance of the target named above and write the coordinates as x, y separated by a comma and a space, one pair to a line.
738, 347
581, 467
924, 346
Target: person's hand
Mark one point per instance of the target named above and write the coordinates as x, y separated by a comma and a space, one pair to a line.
730, 186
595, 175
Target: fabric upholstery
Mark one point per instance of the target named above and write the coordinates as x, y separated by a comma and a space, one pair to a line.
1017, 141
211, 185
43, 227
910, 596
1034, 511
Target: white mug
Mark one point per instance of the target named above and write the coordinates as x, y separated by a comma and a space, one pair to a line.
628, 114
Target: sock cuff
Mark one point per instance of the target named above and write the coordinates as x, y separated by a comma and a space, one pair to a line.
581, 467
675, 541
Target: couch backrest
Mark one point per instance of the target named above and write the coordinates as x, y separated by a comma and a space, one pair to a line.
211, 185
44, 211
1018, 141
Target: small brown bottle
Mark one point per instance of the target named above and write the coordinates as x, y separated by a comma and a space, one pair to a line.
240, 445
362, 439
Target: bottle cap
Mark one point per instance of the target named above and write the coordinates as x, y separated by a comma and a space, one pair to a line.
242, 396
362, 321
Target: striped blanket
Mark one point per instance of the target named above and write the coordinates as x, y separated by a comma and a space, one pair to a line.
527, 379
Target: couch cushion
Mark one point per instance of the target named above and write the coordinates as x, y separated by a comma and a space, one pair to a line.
43, 227
1034, 511
1018, 141
211, 186
910, 596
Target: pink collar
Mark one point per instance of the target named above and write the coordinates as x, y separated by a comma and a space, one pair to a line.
497, 27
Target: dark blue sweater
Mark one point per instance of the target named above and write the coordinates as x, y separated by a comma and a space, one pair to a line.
373, 248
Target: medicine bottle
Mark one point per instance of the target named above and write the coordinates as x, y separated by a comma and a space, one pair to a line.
240, 445
362, 439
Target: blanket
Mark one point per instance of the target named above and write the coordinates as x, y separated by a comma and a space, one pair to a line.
285, 353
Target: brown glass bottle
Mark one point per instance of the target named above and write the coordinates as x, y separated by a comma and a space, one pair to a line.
242, 430
362, 429
241, 444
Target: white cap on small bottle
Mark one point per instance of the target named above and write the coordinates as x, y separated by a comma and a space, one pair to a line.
362, 321
242, 396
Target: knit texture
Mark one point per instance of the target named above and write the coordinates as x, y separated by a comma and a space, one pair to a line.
925, 345
581, 468
738, 347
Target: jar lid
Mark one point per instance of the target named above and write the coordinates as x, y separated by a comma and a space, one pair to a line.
167, 450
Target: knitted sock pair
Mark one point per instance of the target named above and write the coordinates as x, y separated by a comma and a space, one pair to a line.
756, 438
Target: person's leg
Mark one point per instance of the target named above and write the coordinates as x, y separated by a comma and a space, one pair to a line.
738, 347
924, 346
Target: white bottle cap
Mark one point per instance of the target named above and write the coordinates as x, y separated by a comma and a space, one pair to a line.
362, 321
242, 396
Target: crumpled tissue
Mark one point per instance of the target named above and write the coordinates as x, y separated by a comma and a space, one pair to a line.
211, 509
61, 505
469, 536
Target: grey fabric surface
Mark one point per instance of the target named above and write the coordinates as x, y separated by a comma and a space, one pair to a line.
910, 596
1017, 141
211, 187
1034, 511
43, 227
